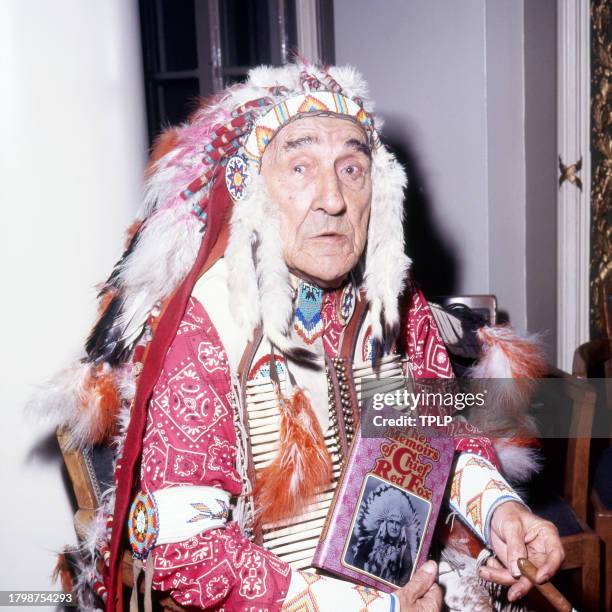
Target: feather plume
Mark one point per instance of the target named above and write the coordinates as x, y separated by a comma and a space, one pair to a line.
509, 354
258, 279
518, 458
386, 264
84, 399
302, 466
514, 361
64, 571
143, 278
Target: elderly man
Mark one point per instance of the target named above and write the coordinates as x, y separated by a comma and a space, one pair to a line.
264, 279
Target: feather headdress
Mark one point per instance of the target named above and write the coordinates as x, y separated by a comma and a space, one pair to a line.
163, 242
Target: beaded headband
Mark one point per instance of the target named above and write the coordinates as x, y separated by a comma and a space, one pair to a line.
266, 126
325, 102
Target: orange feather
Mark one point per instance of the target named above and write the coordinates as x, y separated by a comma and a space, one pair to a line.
101, 392
163, 144
63, 572
522, 360
301, 468
105, 301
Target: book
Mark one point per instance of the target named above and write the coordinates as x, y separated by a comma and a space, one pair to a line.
381, 520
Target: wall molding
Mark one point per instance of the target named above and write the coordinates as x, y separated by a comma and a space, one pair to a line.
573, 219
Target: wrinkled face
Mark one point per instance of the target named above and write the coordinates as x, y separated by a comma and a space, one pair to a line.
317, 170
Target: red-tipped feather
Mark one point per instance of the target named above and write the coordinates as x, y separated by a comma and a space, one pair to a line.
102, 397
163, 144
520, 360
301, 468
105, 301
63, 571
506, 354
132, 231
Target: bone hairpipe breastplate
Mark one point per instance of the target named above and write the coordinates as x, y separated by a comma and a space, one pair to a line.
295, 539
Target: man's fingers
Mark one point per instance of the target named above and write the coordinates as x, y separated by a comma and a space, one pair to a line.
553, 552
497, 574
552, 564
421, 582
433, 598
493, 562
515, 542
520, 589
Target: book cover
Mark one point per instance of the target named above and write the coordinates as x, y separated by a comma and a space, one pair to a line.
381, 520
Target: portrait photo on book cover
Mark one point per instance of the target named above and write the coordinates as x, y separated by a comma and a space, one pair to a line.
386, 532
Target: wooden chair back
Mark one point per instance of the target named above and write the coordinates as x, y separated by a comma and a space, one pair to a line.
484, 305
576, 477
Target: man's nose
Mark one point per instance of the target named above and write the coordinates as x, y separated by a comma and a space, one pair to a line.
329, 193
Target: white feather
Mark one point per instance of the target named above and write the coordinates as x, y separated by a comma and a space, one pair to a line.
239, 254
67, 401
275, 290
353, 84
518, 463
167, 247
386, 264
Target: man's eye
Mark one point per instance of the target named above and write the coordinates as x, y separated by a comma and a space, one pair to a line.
299, 169
352, 171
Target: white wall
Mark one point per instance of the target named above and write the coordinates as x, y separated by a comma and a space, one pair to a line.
505, 125
448, 78
73, 149
424, 62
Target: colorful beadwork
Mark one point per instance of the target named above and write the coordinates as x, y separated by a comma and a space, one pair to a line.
204, 511
346, 307
367, 347
261, 370
313, 102
308, 322
237, 177
143, 525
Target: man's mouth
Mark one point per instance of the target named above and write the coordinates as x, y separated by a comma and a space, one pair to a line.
329, 236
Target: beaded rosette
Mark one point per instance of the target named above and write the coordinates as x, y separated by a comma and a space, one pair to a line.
143, 525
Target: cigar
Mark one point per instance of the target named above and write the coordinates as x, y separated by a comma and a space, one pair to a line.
547, 589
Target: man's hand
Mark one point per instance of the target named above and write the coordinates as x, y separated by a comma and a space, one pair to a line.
516, 533
421, 594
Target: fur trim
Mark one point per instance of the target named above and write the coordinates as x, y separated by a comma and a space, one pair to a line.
354, 85
258, 279
386, 264
247, 215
